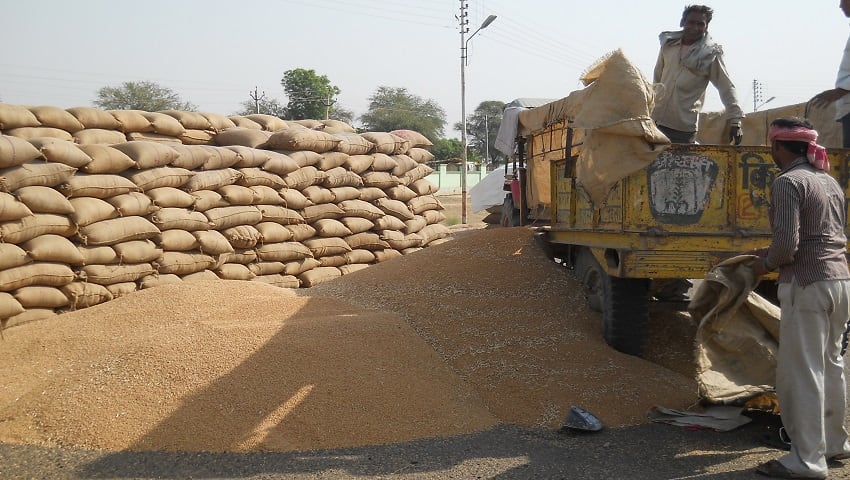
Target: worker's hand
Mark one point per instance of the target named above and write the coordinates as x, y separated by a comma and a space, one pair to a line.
759, 267
826, 97
736, 134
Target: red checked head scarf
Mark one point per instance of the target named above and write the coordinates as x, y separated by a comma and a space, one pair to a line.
816, 153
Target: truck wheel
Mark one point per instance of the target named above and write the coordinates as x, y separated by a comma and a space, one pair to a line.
588, 272
625, 313
510, 214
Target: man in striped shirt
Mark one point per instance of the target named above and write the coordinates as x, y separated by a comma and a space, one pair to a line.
807, 218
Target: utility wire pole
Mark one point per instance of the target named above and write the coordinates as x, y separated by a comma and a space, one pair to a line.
328, 104
758, 96
257, 98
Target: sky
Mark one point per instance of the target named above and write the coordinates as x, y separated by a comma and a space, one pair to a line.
214, 53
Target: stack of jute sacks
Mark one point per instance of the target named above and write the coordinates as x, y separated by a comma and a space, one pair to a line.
96, 204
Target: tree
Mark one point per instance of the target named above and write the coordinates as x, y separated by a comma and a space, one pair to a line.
482, 127
267, 107
395, 109
311, 96
447, 149
147, 96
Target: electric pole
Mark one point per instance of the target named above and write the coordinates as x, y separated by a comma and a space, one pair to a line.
758, 95
257, 98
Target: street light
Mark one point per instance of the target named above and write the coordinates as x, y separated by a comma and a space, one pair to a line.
463, 57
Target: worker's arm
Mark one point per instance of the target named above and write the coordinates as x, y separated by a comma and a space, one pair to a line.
659, 66
719, 77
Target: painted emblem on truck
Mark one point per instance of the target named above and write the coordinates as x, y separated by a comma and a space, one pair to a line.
680, 185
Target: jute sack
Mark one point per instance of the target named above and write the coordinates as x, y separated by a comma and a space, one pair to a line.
242, 136
243, 122
164, 124
35, 132
280, 164
27, 228
15, 116
420, 155
389, 222
131, 121
267, 195
352, 143
177, 241
56, 117
347, 269
137, 251
360, 255
157, 177
328, 227
103, 185
238, 195
189, 120
40, 297
98, 136
341, 194
207, 199
12, 255
117, 230
243, 256
217, 121
43, 174
121, 289
337, 126
303, 178
401, 193
212, 179
16, 151
267, 122
30, 315
283, 252
133, 204
408, 251
279, 280
266, 268
370, 194
184, 263
303, 157
91, 117
358, 163
333, 261
190, 157
425, 202
86, 294
111, 274
9, 307
318, 275
170, 197
61, 151
321, 247
213, 242
179, 219
302, 139
357, 224
251, 157
158, 280
395, 208
253, 176
382, 180
219, 157
434, 216
381, 162
314, 213
153, 138
418, 222
318, 194
409, 240
387, 254
417, 173
360, 208
340, 177
148, 154
280, 214
423, 186
331, 160
404, 164
101, 255
11, 208
105, 159
294, 198
414, 138
308, 123
226, 217
385, 142
272, 232
433, 232
301, 231
234, 271
296, 267
53, 248
46, 274
366, 240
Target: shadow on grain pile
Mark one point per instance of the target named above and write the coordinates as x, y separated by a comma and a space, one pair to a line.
453, 339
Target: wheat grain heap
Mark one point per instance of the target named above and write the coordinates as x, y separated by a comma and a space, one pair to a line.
97, 204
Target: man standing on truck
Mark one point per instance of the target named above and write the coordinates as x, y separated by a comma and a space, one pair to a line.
688, 60
807, 218
842, 88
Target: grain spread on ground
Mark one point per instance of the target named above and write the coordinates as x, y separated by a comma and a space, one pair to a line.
479, 330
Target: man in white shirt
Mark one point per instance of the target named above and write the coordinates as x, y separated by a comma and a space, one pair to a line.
842, 88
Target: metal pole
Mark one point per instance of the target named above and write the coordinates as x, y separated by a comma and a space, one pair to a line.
486, 140
463, 156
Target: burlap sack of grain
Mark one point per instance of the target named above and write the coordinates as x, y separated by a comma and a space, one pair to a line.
238, 195
153, 138
246, 137
358, 163
352, 144
266, 268
148, 154
9, 307
164, 197
297, 267
177, 241
381, 162
131, 121
190, 157
280, 164
184, 263
358, 224
37, 132
157, 177
294, 198
91, 117
404, 164
221, 218
105, 159
302, 178
302, 139
38, 199
331, 160
30, 315
85, 294
408, 251
40, 297
251, 157
386, 255
389, 222
207, 199
88, 210
170, 218
12, 255
361, 208
370, 194
159, 279
253, 176
11, 208
16, 151
122, 289
337, 126
189, 120
243, 256
321, 247
333, 261
399, 241
340, 177
341, 194
212, 179
401, 193
234, 271
39, 273
416, 139
99, 136
387, 143
102, 185
217, 121
417, 223
301, 231
308, 123
366, 241
53, 248
424, 186
282, 215
244, 122
137, 251
420, 155
61, 151
43, 174
313, 213
318, 276
395, 208
359, 255
100, 255
133, 204
415, 174
27, 228
164, 124
267, 122
56, 117
244, 236
117, 230
424, 203
283, 252
434, 216
279, 280
219, 157
318, 194
111, 274
351, 268
16, 116
434, 231
267, 195
270, 232
302, 157
329, 227
382, 180
213, 242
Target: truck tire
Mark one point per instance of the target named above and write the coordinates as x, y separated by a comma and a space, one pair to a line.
510, 213
624, 303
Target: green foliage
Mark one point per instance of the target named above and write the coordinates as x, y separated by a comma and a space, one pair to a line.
267, 107
395, 108
147, 96
446, 149
311, 96
482, 127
